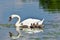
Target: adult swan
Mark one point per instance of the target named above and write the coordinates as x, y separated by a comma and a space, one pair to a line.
27, 25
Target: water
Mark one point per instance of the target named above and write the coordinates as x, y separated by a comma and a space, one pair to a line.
30, 9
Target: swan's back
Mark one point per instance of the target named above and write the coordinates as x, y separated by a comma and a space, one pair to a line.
29, 21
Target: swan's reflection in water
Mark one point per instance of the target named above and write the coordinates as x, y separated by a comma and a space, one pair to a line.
24, 35
4, 34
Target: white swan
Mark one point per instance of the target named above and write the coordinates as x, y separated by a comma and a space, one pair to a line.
26, 22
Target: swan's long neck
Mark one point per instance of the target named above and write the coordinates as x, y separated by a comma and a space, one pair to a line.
18, 22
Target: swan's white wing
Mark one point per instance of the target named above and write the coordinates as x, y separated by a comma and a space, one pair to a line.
29, 21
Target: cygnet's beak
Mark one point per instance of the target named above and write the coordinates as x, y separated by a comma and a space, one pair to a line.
10, 18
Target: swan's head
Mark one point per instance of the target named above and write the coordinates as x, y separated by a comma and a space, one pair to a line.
12, 16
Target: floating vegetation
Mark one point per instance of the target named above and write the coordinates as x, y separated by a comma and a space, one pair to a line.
6, 25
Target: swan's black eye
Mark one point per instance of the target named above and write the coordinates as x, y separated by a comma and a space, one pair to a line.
10, 18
